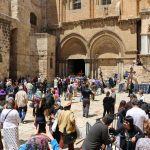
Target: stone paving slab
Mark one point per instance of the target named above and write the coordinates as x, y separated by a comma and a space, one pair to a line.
96, 110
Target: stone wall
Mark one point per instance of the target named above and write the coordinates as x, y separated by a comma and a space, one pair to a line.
4, 46
43, 55
5, 7
112, 41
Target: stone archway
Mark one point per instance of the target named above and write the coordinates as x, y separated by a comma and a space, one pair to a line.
107, 52
73, 48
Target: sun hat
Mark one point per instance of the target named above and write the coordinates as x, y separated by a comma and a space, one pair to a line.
67, 103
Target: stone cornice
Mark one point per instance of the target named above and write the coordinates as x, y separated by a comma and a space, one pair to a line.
100, 22
87, 21
130, 20
145, 12
144, 55
5, 18
131, 52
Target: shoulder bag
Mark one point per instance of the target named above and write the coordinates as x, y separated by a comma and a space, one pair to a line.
1, 124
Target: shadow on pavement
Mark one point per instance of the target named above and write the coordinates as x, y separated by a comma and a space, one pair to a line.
28, 121
93, 115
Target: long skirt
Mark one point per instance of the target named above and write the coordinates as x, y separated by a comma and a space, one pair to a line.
11, 138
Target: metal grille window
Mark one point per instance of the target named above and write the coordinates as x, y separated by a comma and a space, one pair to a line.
106, 2
33, 19
1, 59
76, 4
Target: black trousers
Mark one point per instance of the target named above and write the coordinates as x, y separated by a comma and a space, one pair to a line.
86, 106
106, 110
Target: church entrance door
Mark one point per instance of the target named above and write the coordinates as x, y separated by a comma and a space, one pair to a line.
76, 66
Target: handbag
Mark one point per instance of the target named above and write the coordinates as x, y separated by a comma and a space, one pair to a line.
69, 138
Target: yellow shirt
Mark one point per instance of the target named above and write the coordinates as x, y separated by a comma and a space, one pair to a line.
66, 119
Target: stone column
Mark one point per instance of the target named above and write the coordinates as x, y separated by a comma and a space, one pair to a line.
97, 65
66, 68
93, 69
120, 69
144, 44
59, 69
87, 67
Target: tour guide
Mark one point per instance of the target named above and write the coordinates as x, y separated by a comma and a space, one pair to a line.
98, 135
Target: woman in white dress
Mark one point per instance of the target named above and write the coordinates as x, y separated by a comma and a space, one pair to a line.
10, 119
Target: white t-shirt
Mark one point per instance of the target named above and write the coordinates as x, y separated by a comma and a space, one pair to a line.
138, 115
142, 99
11, 120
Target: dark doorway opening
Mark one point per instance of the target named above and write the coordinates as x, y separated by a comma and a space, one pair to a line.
13, 54
76, 66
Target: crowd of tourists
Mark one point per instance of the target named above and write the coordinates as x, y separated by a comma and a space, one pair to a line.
55, 121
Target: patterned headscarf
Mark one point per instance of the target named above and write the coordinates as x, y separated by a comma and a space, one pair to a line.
37, 142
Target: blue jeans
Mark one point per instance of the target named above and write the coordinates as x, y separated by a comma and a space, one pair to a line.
29, 93
22, 112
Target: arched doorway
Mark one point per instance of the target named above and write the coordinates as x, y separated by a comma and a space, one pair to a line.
72, 56
76, 66
107, 53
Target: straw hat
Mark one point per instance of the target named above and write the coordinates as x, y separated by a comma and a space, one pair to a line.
67, 103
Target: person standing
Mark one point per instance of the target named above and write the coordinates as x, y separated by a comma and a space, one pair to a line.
113, 96
121, 113
129, 103
10, 119
55, 82
86, 92
141, 96
138, 114
21, 100
29, 87
107, 103
66, 123
130, 88
93, 88
98, 135
129, 134
70, 91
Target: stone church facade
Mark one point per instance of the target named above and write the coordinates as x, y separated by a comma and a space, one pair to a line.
62, 37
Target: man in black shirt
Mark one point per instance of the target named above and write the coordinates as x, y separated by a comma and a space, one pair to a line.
98, 134
86, 92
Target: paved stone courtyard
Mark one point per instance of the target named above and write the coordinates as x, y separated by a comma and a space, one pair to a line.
96, 110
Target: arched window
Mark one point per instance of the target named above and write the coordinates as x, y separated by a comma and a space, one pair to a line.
76, 4
33, 19
106, 2
1, 59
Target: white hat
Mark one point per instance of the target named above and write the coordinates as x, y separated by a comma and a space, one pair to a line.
8, 83
20, 87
